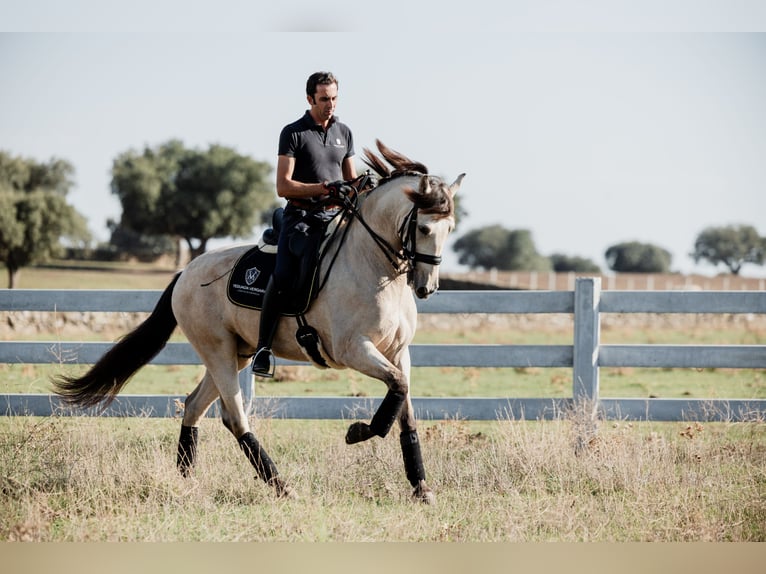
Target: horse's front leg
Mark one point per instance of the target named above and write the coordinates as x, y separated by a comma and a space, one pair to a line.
374, 364
396, 404
410, 442
413, 457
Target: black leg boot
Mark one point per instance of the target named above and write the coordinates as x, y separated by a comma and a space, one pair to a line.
263, 361
187, 449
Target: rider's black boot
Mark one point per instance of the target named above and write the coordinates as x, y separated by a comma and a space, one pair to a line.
263, 361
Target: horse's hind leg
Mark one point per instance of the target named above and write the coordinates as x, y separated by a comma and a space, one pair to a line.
234, 419
225, 375
196, 405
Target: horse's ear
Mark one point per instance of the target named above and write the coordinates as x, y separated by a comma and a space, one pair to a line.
425, 186
456, 184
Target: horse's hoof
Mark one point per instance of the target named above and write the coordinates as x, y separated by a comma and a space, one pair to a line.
282, 489
287, 493
424, 495
358, 432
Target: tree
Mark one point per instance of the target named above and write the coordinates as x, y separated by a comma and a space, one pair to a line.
566, 263
126, 242
635, 257
732, 245
191, 194
34, 214
497, 247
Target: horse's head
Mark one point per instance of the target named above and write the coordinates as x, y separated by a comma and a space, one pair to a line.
425, 230
429, 218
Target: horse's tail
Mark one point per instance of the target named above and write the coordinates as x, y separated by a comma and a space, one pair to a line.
110, 374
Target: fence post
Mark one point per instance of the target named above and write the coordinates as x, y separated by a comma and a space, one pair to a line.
587, 338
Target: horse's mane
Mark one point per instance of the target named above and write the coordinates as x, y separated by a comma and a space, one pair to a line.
402, 164
433, 195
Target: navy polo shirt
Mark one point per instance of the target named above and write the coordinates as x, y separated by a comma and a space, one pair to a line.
318, 154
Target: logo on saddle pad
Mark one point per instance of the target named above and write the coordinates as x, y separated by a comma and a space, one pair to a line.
251, 275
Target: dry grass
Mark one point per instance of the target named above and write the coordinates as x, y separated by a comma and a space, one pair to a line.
105, 479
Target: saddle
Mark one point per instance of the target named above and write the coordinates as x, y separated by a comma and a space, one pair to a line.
250, 276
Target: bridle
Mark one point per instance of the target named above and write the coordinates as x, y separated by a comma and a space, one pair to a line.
404, 259
408, 237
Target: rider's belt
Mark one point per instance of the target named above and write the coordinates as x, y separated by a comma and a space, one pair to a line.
310, 205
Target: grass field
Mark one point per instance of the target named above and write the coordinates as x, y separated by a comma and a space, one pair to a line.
82, 479
115, 480
94, 275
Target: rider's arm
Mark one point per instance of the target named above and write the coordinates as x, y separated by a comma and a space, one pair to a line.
288, 188
349, 169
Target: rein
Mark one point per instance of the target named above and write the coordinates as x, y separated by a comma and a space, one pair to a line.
407, 235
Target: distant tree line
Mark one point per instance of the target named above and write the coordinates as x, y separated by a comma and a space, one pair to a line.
171, 194
495, 247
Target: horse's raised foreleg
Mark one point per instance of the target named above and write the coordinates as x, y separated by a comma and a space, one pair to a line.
374, 364
381, 422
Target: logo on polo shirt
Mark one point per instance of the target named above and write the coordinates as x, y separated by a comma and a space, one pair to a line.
338, 143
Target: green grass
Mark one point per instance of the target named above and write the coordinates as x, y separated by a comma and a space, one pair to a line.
430, 382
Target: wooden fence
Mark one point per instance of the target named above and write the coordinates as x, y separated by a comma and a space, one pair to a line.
585, 356
562, 281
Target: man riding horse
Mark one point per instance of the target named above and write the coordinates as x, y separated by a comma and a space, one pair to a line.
313, 151
380, 265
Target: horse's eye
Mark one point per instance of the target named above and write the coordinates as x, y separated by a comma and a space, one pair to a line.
424, 229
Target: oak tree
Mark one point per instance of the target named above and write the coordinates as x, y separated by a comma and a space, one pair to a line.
34, 215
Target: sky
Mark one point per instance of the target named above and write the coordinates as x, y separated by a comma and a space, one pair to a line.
588, 123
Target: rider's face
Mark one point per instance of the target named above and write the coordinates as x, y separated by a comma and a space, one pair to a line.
323, 102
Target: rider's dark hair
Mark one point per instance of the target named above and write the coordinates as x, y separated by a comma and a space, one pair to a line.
319, 79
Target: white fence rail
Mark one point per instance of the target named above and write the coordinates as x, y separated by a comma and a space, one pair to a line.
585, 356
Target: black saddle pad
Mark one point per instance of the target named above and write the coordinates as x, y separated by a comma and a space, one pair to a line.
250, 276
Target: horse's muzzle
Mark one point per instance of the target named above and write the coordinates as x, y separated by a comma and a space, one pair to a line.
424, 292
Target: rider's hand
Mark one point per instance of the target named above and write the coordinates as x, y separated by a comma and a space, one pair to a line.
338, 189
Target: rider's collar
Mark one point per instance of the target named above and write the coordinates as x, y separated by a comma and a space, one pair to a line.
310, 121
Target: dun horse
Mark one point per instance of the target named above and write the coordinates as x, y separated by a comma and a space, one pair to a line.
365, 316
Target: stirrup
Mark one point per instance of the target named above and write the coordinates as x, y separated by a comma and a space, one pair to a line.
265, 366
